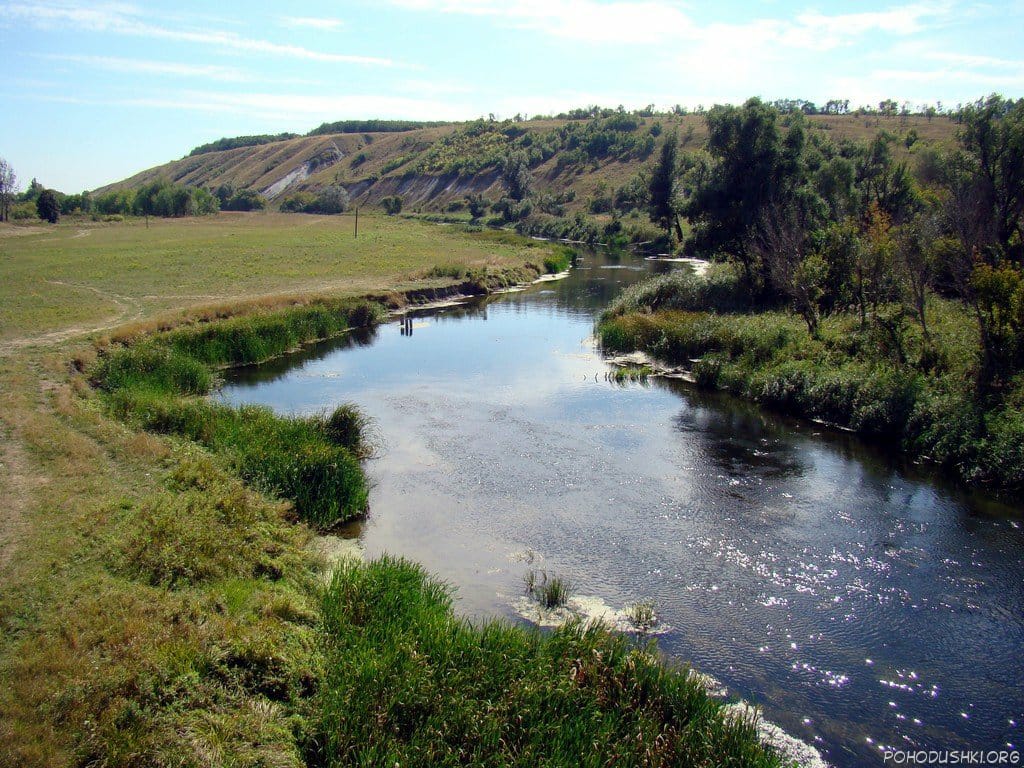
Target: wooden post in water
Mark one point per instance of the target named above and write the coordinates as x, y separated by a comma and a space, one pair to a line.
357, 223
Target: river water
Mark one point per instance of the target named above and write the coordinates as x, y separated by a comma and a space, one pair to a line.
861, 603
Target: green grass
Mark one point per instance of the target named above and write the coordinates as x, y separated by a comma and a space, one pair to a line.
926, 406
313, 462
407, 683
56, 277
180, 626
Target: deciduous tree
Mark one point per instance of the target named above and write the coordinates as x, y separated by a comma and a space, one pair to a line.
663, 204
8, 188
48, 206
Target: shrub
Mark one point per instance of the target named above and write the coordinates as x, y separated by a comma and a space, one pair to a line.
559, 260
718, 289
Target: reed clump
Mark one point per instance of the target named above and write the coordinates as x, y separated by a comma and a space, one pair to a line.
549, 590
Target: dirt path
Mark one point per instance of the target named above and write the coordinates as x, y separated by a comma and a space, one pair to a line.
129, 309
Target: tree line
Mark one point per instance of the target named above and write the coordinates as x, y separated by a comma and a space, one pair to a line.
828, 227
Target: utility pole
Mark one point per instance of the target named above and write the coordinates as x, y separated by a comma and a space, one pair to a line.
357, 223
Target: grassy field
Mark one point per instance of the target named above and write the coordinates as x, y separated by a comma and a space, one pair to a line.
156, 610
82, 275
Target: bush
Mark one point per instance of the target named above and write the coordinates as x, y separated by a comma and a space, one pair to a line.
331, 200
719, 289
560, 260
246, 200
392, 205
298, 202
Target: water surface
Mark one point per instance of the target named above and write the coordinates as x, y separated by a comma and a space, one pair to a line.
858, 601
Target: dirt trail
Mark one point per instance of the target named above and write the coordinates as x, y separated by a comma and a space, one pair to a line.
129, 309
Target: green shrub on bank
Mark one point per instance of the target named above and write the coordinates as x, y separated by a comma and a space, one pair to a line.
717, 290
559, 261
410, 684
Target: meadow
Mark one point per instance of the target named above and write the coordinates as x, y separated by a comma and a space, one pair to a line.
82, 275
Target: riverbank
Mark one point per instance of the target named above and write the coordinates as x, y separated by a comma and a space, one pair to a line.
885, 381
157, 608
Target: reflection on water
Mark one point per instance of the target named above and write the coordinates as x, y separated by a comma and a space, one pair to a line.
859, 601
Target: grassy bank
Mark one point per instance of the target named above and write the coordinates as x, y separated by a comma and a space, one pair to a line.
158, 384
886, 382
155, 609
409, 684
162, 604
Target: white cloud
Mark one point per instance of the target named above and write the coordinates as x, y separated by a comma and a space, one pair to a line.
171, 68
312, 22
974, 61
145, 66
625, 22
119, 18
646, 22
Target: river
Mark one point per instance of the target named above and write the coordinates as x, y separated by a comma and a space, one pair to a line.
862, 603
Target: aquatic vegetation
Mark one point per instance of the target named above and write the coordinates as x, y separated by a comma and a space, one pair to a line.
718, 289
641, 615
549, 590
350, 428
628, 373
408, 683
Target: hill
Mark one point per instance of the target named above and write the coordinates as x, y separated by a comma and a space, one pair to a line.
431, 166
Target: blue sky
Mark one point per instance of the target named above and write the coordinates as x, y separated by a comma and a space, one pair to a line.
95, 91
